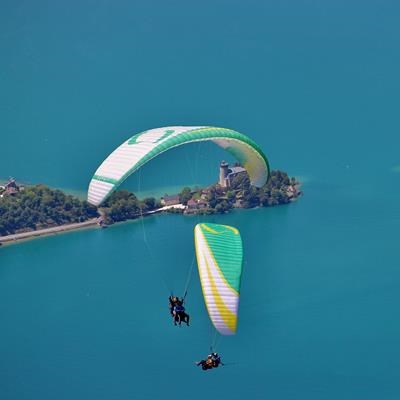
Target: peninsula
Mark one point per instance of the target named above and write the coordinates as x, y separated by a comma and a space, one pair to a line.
27, 211
37, 210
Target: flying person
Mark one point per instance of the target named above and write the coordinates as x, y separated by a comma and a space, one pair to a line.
180, 315
213, 360
177, 310
172, 301
216, 358
205, 364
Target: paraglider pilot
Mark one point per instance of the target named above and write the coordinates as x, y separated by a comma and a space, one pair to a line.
213, 361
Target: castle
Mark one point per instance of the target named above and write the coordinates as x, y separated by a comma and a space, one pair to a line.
227, 173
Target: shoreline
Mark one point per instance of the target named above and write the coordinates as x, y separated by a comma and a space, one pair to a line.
17, 237
94, 222
291, 190
91, 223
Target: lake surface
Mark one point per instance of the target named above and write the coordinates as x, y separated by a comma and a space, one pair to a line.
84, 315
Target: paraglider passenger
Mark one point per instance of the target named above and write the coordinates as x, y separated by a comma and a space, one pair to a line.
177, 310
213, 361
205, 364
172, 301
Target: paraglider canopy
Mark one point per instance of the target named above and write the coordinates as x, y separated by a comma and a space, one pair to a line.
143, 147
219, 253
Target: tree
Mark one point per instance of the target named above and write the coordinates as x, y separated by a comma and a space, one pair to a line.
240, 181
185, 195
39, 207
212, 197
149, 204
3, 230
231, 195
223, 207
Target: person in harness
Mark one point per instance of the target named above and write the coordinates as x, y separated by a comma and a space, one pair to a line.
213, 360
177, 310
172, 301
216, 359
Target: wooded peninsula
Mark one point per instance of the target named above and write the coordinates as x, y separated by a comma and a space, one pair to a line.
37, 207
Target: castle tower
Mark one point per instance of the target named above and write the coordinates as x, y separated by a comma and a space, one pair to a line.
223, 173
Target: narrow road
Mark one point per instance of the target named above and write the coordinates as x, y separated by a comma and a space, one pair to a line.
48, 231
69, 227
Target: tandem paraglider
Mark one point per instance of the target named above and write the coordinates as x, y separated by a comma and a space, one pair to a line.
219, 253
213, 360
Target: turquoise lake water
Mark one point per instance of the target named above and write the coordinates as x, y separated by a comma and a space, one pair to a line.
84, 315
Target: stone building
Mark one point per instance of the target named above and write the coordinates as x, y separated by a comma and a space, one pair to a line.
227, 173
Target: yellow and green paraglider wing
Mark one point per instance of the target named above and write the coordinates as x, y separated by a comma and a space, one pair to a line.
219, 253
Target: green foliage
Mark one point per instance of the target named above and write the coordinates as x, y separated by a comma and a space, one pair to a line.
196, 195
39, 207
231, 196
241, 182
123, 205
275, 192
149, 204
120, 206
212, 197
222, 207
251, 197
119, 196
185, 195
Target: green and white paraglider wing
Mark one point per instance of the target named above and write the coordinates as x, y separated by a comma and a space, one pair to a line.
219, 253
141, 148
